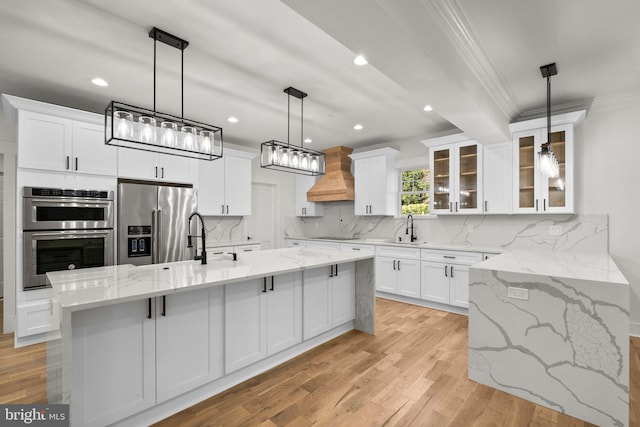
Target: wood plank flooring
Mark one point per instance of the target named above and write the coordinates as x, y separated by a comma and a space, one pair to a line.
412, 373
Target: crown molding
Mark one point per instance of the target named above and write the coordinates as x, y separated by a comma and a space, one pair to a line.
459, 30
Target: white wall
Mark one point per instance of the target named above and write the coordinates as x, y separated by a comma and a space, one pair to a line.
607, 171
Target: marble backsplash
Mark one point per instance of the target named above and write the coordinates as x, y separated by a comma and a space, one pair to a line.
584, 233
225, 229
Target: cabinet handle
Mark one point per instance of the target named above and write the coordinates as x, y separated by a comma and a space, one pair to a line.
162, 170
336, 270
456, 206
536, 205
164, 306
271, 282
67, 162
448, 257
486, 209
156, 171
222, 212
76, 163
452, 271
394, 264
331, 271
355, 249
544, 205
450, 207
370, 209
446, 267
148, 308
486, 257
247, 250
295, 244
398, 265
264, 284
227, 209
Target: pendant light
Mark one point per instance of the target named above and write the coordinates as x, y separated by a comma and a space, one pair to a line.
547, 161
150, 130
287, 157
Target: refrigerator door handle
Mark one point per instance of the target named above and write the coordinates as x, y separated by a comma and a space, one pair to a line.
154, 237
159, 235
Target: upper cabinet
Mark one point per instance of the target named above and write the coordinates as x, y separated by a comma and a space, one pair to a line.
376, 182
304, 207
534, 192
456, 175
224, 185
55, 143
498, 178
146, 165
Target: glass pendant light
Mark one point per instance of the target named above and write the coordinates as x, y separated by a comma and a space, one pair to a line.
547, 161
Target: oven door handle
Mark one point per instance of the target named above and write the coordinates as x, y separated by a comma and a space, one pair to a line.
73, 234
79, 202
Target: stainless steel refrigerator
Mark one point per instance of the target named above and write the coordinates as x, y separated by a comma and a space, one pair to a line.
153, 222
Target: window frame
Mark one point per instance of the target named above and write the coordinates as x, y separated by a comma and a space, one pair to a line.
427, 191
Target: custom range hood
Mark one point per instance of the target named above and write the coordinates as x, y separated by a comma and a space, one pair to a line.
337, 182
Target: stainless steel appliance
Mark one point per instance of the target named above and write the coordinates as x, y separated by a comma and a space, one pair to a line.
65, 229
153, 222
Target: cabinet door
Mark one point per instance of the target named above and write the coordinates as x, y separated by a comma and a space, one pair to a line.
189, 341
435, 282
316, 302
468, 178
378, 186
525, 146
498, 180
45, 142
343, 294
386, 274
408, 277
137, 164
237, 186
114, 363
303, 207
211, 188
39, 316
284, 312
245, 324
442, 186
459, 285
90, 153
174, 168
361, 170
557, 193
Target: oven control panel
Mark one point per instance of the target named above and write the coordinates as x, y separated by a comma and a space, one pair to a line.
138, 240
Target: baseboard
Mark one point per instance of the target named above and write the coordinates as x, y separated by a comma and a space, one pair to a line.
423, 303
634, 329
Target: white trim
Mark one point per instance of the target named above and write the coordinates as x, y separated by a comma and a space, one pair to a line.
9, 242
389, 152
423, 303
12, 104
634, 329
448, 139
559, 119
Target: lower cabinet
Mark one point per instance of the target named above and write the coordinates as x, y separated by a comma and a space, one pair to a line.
262, 317
445, 276
38, 316
328, 298
398, 271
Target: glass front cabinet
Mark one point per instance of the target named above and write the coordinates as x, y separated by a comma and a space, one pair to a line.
456, 175
534, 192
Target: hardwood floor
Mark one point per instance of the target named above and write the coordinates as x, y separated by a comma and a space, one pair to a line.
413, 372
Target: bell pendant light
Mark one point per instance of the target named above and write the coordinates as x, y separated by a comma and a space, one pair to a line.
547, 161
287, 157
150, 130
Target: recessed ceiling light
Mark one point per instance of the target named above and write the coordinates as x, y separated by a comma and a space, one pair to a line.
308, 140
360, 60
232, 119
358, 127
428, 108
99, 82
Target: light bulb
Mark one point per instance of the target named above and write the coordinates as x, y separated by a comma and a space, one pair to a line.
148, 130
304, 162
206, 141
169, 130
295, 159
189, 137
124, 124
284, 159
314, 163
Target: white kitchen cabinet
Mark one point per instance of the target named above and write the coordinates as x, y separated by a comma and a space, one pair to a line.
533, 192
376, 182
247, 248
284, 311
445, 276
114, 365
456, 175
398, 270
224, 185
189, 340
323, 244
296, 243
38, 316
357, 247
146, 165
498, 178
304, 207
49, 142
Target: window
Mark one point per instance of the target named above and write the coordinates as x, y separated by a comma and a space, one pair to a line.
415, 192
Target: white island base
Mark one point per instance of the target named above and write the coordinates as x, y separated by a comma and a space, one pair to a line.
142, 343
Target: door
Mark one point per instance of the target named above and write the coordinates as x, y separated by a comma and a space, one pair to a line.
459, 285
343, 294
316, 302
525, 146
174, 168
284, 312
468, 182
408, 277
137, 164
90, 153
441, 179
245, 324
114, 363
45, 142
137, 210
175, 205
189, 340
237, 186
378, 186
497, 178
211, 187
558, 192
263, 225
386, 274
435, 282
361, 170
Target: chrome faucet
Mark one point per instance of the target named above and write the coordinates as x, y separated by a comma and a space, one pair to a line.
203, 255
413, 236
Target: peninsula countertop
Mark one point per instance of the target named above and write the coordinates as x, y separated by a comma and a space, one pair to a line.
95, 287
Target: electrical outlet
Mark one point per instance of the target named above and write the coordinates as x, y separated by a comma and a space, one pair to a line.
518, 293
469, 228
555, 230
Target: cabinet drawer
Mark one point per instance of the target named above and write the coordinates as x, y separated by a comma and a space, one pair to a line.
365, 249
398, 252
451, 256
247, 248
37, 317
323, 244
218, 252
296, 243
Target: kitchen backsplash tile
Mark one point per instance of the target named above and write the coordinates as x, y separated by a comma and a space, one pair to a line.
225, 229
584, 233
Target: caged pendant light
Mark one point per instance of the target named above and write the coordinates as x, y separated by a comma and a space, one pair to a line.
287, 157
547, 161
150, 130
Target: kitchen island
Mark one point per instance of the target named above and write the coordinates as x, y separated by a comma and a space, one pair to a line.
141, 343
553, 328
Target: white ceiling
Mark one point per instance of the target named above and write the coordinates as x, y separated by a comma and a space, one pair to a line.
477, 63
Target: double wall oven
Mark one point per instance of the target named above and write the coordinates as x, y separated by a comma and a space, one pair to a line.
65, 230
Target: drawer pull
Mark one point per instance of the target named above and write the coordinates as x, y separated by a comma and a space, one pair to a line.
355, 249
449, 257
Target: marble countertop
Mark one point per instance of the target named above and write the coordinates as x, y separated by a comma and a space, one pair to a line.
95, 287
570, 265
418, 244
221, 243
